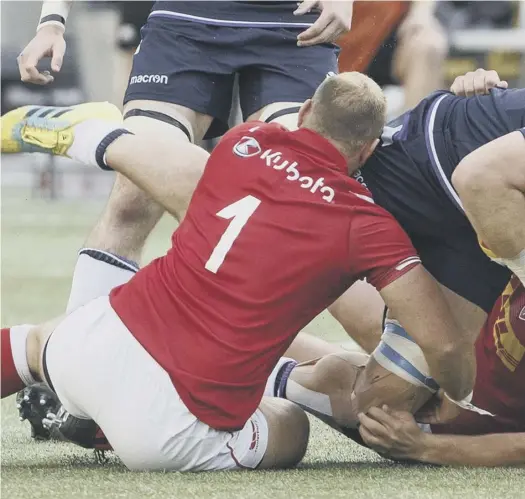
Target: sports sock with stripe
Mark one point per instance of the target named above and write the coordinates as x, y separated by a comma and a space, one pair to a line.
96, 273
15, 372
276, 384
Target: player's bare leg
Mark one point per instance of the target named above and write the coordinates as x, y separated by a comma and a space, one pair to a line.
337, 387
130, 214
360, 311
306, 347
419, 61
288, 433
491, 184
283, 113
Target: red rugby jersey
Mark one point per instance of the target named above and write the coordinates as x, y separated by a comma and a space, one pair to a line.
275, 232
500, 357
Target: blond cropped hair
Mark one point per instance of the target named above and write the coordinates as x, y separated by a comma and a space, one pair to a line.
349, 109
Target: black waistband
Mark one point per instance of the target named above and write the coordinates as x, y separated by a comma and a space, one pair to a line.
47, 378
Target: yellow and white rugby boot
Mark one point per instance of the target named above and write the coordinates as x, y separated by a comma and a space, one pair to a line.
74, 131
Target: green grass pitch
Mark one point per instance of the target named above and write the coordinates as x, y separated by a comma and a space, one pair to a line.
39, 244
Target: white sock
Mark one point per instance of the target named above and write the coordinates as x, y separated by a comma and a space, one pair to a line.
18, 337
88, 136
96, 274
270, 390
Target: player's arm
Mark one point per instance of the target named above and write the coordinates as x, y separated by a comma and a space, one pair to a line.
396, 434
381, 251
491, 184
417, 303
48, 42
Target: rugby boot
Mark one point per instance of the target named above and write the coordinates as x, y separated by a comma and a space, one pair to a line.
54, 130
34, 403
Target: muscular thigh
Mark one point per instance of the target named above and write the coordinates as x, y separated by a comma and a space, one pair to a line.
360, 311
187, 64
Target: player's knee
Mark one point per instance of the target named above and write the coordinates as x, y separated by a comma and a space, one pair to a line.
295, 421
472, 177
288, 433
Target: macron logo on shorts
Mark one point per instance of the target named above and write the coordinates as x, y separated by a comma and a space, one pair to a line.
162, 79
247, 147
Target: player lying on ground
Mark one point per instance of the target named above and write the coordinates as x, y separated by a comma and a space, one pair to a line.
491, 435
184, 350
281, 52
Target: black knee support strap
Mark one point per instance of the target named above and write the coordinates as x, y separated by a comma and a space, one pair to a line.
282, 112
160, 117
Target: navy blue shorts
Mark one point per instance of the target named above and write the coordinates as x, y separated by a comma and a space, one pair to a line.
194, 65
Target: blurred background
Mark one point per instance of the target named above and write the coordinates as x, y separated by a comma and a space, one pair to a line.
102, 37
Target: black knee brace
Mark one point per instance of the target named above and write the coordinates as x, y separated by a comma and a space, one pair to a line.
160, 117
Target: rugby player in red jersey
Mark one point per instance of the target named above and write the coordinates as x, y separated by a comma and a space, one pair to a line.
173, 364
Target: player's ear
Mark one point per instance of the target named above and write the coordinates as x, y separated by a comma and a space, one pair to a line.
367, 150
304, 112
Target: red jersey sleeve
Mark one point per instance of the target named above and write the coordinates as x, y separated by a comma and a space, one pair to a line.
380, 250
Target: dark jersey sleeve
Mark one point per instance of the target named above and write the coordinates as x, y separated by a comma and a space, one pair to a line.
380, 250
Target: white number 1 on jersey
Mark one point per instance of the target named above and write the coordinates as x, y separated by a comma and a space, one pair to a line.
239, 212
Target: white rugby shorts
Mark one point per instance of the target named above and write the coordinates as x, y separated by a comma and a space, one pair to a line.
101, 372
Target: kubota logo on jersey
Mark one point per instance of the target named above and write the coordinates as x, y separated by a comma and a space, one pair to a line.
247, 147
274, 159
522, 314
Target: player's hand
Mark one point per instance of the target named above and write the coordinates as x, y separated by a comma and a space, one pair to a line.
335, 19
392, 433
477, 82
439, 409
48, 42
